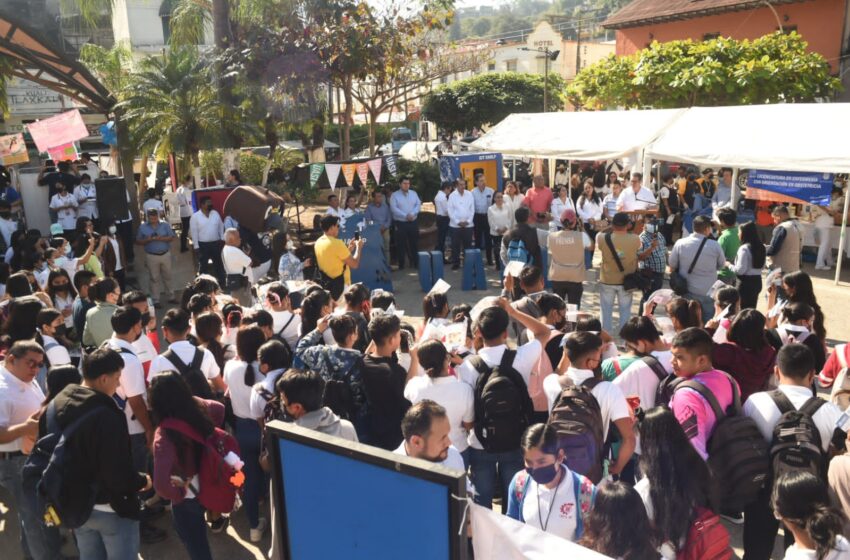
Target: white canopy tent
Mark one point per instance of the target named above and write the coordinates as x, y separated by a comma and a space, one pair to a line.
783, 137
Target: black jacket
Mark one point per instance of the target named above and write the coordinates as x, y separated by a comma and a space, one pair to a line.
100, 448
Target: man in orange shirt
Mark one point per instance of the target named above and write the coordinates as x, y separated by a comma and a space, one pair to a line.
538, 199
764, 220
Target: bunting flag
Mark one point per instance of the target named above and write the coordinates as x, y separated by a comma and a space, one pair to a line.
332, 169
363, 173
392, 165
375, 167
348, 170
316, 172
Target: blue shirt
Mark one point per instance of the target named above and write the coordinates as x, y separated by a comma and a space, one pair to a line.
482, 199
162, 230
403, 204
10, 195
380, 215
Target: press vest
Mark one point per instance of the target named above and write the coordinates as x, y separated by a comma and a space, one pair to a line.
566, 256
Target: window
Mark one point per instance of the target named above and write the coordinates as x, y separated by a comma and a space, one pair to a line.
710, 36
166, 29
510, 65
491, 66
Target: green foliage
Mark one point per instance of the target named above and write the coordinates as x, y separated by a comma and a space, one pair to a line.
774, 68
489, 98
251, 167
212, 162
424, 177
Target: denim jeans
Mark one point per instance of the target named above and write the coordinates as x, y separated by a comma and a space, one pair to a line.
606, 304
37, 541
248, 435
488, 469
191, 527
108, 536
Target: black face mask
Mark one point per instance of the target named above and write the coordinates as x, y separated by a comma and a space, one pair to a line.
60, 330
5, 214
543, 475
146, 319
63, 289
561, 324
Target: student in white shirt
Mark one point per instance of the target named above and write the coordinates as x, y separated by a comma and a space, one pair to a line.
86, 195
803, 504
175, 327
271, 358
441, 208
58, 286
795, 371
461, 208
241, 375
286, 323
184, 201
492, 324
584, 350
153, 203
335, 210
500, 217
65, 206
639, 379
50, 325
426, 428
237, 268
444, 389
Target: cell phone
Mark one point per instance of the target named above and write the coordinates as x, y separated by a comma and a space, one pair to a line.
357, 236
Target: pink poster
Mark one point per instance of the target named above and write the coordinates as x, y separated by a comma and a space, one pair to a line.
58, 130
63, 152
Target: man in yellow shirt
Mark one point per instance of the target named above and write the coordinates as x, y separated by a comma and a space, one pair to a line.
334, 258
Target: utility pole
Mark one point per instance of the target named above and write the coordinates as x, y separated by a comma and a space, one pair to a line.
578, 47
548, 55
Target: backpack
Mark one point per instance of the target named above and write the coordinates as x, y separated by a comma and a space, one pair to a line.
57, 494
216, 492
582, 488
840, 394
738, 456
337, 394
503, 408
191, 373
517, 251
287, 363
796, 443
577, 418
707, 538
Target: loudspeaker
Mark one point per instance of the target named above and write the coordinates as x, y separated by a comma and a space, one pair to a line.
250, 206
112, 199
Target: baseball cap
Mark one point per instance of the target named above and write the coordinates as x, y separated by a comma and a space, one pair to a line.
620, 219
56, 230
568, 215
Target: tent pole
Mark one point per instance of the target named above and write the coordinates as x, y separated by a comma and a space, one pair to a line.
570, 180
736, 190
843, 238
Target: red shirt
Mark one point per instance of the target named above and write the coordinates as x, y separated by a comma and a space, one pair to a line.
833, 365
538, 201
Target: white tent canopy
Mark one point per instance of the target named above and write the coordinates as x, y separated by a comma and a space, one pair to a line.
596, 135
781, 137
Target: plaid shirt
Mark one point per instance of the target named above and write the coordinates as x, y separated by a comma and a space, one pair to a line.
657, 261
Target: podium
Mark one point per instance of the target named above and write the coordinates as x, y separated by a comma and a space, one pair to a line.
374, 270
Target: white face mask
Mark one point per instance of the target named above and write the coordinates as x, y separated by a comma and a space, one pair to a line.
112, 230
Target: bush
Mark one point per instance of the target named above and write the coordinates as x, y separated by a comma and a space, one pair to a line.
424, 178
251, 168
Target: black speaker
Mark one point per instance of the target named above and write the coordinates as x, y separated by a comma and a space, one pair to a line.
112, 199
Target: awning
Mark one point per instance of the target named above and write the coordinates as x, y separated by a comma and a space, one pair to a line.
781, 137
586, 135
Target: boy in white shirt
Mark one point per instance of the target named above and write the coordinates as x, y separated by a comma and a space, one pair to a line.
641, 378
175, 327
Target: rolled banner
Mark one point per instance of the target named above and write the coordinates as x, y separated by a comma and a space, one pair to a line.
392, 164
316, 172
363, 173
375, 167
332, 169
348, 170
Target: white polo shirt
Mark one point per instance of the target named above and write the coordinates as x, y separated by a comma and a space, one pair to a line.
629, 201
263, 389
132, 382
185, 351
18, 401
761, 408
57, 355
450, 393
611, 401
290, 334
638, 379
235, 261
240, 393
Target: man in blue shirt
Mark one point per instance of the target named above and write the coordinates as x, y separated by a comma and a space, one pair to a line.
379, 213
405, 205
156, 236
482, 195
723, 195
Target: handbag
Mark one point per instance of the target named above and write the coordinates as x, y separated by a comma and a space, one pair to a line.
634, 280
678, 283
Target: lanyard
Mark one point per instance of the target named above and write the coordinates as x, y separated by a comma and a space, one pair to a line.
551, 505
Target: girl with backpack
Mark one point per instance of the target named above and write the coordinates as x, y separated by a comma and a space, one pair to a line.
50, 335
177, 458
801, 501
746, 356
797, 324
618, 525
435, 311
676, 488
208, 328
547, 495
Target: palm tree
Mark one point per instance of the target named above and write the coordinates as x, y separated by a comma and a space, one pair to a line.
172, 103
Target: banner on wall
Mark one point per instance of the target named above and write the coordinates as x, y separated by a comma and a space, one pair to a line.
795, 187
316, 172
332, 169
59, 130
13, 149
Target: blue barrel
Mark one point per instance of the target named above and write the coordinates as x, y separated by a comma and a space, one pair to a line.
426, 277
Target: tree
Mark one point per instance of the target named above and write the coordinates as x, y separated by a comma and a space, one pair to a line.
774, 68
489, 98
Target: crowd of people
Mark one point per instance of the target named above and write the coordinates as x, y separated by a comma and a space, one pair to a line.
631, 439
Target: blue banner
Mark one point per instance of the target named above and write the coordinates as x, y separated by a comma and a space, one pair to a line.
811, 188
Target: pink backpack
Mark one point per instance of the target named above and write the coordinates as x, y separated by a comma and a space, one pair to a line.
216, 493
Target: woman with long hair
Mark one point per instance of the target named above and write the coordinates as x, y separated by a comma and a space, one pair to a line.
62, 294
801, 502
50, 334
746, 355
560, 203
201, 284
241, 375
684, 313
208, 328
513, 198
435, 313
676, 479
547, 494
176, 458
589, 208
21, 323
618, 525
797, 324
500, 217
316, 305
799, 289
748, 264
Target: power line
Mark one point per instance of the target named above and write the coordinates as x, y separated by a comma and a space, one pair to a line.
564, 26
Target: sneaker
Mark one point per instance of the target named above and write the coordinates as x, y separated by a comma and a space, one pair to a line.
734, 518
150, 534
220, 524
257, 534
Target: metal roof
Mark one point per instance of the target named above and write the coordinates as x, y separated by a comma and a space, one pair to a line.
644, 12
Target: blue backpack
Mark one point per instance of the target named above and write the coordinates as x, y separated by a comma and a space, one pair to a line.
518, 252
51, 487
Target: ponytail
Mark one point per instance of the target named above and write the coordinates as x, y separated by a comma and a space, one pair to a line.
823, 526
687, 312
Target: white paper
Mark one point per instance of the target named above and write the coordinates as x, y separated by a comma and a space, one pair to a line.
714, 287
774, 277
297, 285
670, 219
666, 325
661, 297
723, 314
513, 268
440, 287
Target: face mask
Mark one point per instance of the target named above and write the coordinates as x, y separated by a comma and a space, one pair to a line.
60, 330
146, 318
138, 336
290, 245
561, 324
112, 230
60, 261
61, 289
543, 475
69, 252
5, 215
649, 228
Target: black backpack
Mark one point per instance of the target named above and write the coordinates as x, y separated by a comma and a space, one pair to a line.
60, 498
287, 363
503, 408
577, 418
337, 394
191, 373
738, 456
796, 443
